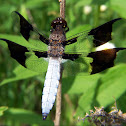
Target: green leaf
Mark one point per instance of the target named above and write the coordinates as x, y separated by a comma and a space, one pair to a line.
20, 74
2, 109
32, 44
113, 85
27, 117
35, 3
74, 68
83, 43
82, 3
109, 86
79, 29
99, 2
82, 83
37, 65
119, 7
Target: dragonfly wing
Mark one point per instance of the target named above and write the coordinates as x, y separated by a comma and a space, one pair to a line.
26, 28
103, 59
41, 54
70, 56
73, 66
70, 41
102, 34
99, 35
17, 51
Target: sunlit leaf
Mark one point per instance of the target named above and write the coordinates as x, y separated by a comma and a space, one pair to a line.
20, 74
2, 109
119, 7
109, 86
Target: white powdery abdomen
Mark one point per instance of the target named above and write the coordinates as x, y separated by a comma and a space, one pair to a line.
50, 86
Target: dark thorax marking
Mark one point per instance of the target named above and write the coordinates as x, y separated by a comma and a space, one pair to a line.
56, 48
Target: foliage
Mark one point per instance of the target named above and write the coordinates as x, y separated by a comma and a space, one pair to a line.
21, 89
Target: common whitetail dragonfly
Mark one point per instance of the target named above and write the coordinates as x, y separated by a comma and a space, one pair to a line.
102, 59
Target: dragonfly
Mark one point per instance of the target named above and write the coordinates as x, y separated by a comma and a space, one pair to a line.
103, 57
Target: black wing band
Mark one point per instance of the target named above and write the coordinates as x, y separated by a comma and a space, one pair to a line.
17, 51
103, 59
41, 54
102, 34
71, 56
26, 28
71, 41
65, 56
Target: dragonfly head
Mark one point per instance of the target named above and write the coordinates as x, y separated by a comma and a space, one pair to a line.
59, 21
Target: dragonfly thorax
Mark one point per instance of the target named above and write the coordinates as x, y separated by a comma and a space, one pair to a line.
57, 37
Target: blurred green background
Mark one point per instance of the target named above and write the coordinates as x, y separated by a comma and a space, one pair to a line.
21, 89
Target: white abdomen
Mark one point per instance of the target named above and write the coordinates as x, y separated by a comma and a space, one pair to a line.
50, 85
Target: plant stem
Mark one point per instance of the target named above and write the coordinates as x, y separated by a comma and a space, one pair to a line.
58, 106
58, 98
62, 8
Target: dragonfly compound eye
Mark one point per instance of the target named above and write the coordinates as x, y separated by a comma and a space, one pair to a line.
59, 21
